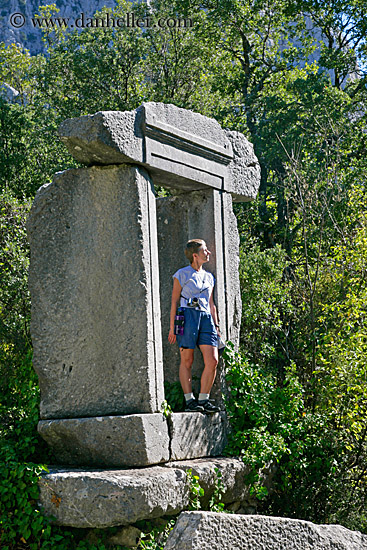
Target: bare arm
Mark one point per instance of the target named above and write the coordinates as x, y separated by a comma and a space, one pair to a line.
213, 311
176, 292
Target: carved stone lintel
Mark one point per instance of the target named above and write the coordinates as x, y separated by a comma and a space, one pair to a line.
181, 149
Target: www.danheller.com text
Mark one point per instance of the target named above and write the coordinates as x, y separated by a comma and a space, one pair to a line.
83, 21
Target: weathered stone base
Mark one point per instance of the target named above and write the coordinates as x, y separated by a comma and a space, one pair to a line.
114, 497
129, 441
107, 498
197, 435
230, 471
134, 440
198, 530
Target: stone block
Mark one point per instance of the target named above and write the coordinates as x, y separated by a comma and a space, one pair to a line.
198, 530
232, 477
94, 286
98, 499
244, 168
180, 148
127, 536
195, 435
228, 244
106, 498
106, 137
117, 441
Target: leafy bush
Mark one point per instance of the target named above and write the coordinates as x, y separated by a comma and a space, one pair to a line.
267, 309
262, 413
174, 396
271, 426
309, 421
155, 538
30, 151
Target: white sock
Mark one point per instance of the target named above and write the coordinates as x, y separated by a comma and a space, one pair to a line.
189, 396
203, 396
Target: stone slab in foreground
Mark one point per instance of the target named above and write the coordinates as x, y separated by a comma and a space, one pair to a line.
198, 530
106, 498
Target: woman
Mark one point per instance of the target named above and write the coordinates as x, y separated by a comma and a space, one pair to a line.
193, 288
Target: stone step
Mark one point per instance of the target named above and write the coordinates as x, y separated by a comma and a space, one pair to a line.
135, 440
106, 498
198, 530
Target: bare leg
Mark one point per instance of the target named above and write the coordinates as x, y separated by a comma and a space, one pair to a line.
210, 356
187, 357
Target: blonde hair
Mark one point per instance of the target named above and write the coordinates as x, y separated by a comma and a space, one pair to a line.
192, 248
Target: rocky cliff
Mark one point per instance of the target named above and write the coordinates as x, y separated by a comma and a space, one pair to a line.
16, 25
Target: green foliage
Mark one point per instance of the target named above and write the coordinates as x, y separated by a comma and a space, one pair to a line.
118, 69
166, 409
174, 395
340, 377
271, 427
215, 502
30, 149
182, 61
18, 382
195, 490
267, 309
20, 520
156, 537
14, 125
96, 69
261, 411
30, 152
16, 70
19, 403
304, 410
14, 261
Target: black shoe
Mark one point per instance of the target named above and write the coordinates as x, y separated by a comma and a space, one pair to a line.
193, 406
208, 407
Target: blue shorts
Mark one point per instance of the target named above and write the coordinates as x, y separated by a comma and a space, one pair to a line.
199, 329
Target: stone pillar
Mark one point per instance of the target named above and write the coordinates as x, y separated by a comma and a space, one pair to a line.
95, 309
207, 215
94, 280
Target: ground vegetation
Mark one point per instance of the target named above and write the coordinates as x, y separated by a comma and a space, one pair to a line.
290, 75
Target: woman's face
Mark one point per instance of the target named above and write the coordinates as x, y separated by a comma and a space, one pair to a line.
204, 253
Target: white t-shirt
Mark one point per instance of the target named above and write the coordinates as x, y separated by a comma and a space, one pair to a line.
195, 284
